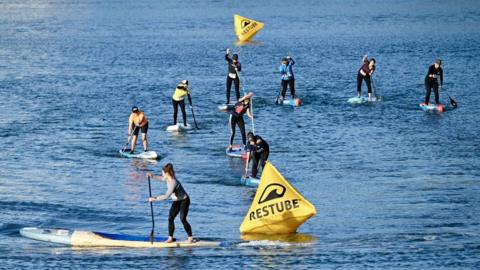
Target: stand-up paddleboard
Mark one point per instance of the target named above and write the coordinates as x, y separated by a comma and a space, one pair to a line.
226, 107
179, 128
250, 181
432, 107
290, 102
362, 99
143, 154
98, 239
236, 151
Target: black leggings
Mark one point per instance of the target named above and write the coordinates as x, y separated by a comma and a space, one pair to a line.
428, 87
291, 84
237, 120
229, 86
258, 158
182, 207
175, 111
368, 81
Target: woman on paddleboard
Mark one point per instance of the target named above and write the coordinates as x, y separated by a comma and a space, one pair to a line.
258, 150
288, 79
236, 118
178, 98
365, 73
136, 122
234, 67
180, 198
434, 73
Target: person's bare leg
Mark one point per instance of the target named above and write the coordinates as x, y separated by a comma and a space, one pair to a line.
134, 143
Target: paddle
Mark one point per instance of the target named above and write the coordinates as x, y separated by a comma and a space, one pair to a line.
151, 211
191, 109
129, 138
452, 101
251, 111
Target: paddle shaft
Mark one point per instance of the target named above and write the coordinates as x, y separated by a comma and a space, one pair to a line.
151, 210
193, 114
129, 138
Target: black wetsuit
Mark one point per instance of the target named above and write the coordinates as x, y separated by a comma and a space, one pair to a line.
367, 77
431, 81
232, 76
259, 153
236, 118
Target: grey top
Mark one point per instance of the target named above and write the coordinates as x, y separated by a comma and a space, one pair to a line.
175, 191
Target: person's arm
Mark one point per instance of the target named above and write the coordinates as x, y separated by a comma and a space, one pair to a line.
247, 162
157, 177
249, 111
239, 67
168, 193
291, 62
441, 77
227, 56
282, 69
130, 122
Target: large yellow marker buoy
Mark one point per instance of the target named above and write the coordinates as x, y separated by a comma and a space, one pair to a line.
277, 207
246, 28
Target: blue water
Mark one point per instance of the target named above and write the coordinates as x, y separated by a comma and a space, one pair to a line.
394, 187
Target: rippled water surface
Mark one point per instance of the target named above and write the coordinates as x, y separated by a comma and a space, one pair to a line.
394, 187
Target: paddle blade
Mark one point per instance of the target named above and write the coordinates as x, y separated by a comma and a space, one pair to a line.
453, 102
151, 236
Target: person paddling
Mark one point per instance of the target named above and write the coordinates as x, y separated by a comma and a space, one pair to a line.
180, 204
236, 118
258, 150
288, 79
136, 122
365, 73
234, 67
435, 72
178, 98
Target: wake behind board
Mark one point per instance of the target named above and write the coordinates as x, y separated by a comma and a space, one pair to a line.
432, 107
362, 99
143, 155
179, 128
226, 107
236, 151
250, 181
99, 239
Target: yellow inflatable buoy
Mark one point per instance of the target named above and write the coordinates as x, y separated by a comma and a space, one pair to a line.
246, 28
277, 207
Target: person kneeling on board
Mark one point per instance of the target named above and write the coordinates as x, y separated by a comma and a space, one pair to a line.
234, 67
288, 79
434, 73
137, 121
180, 198
259, 150
365, 73
178, 98
236, 118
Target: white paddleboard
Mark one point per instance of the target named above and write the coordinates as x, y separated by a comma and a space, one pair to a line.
99, 239
179, 128
143, 154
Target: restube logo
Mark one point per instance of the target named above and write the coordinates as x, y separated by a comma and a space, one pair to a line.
271, 192
244, 23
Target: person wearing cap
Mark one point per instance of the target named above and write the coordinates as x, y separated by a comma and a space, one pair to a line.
288, 79
234, 67
178, 98
435, 72
236, 118
136, 122
258, 150
365, 73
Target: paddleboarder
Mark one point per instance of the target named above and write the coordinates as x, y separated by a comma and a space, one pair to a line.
365, 73
435, 72
178, 98
288, 79
234, 67
257, 149
136, 122
180, 204
236, 118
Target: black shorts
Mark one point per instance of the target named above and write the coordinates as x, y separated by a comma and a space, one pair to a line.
137, 129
